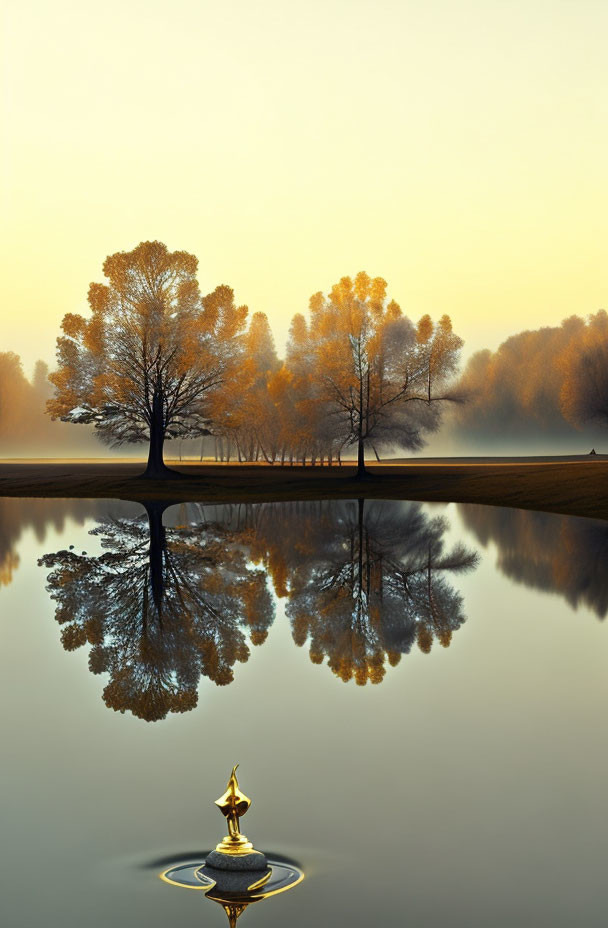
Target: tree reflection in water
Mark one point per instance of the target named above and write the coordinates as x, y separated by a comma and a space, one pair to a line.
160, 607
364, 580
18, 515
554, 553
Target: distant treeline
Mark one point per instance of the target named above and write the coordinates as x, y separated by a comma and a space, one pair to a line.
551, 381
25, 429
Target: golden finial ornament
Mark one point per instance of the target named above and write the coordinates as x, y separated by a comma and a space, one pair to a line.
234, 874
233, 804
235, 851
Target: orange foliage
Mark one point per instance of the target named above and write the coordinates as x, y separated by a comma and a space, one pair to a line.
149, 360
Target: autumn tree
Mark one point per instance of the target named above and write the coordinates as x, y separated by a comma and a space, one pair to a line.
310, 431
146, 362
15, 399
538, 386
378, 378
160, 607
24, 427
517, 391
300, 421
584, 364
261, 407
243, 412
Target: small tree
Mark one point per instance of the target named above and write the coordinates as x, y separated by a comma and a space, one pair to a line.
15, 396
143, 367
377, 377
243, 413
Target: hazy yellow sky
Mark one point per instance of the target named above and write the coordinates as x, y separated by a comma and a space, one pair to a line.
458, 149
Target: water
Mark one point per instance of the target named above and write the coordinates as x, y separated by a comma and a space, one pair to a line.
462, 782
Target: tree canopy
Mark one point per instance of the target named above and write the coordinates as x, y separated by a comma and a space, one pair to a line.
584, 363
146, 362
376, 377
542, 382
155, 360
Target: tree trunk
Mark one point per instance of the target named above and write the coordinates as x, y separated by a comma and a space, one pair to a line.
361, 472
361, 505
156, 552
156, 468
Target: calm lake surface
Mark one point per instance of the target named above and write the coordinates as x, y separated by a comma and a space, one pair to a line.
415, 694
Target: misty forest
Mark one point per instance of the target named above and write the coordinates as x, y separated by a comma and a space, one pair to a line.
157, 362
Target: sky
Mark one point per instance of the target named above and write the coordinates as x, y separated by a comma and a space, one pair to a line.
456, 148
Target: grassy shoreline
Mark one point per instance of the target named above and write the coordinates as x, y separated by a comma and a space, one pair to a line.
569, 486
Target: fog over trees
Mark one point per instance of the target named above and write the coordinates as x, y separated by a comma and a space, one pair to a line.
156, 361
24, 427
542, 385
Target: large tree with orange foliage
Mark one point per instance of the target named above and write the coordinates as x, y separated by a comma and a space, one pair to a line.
145, 364
379, 378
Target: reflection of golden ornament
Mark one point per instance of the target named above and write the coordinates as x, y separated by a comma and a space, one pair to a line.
234, 804
233, 912
234, 900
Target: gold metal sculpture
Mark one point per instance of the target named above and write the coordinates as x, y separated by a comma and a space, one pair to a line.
233, 804
235, 875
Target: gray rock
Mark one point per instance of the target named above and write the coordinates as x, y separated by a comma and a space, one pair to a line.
254, 861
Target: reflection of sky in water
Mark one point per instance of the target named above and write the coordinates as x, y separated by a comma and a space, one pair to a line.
466, 789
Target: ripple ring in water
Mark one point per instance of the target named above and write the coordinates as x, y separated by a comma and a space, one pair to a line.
191, 876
